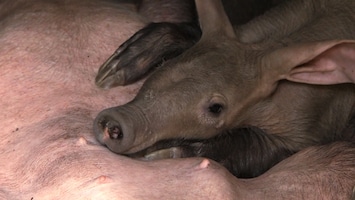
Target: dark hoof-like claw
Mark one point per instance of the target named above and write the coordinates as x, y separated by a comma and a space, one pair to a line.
109, 75
145, 50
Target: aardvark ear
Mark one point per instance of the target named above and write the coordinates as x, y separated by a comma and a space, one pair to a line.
213, 19
322, 63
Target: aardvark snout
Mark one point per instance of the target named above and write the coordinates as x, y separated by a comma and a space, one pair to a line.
113, 130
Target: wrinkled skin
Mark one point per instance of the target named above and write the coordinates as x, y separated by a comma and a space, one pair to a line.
48, 150
174, 29
201, 93
49, 55
246, 153
131, 62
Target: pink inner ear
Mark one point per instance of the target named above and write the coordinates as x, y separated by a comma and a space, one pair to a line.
334, 66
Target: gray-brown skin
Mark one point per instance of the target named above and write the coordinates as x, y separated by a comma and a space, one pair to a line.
222, 83
237, 151
174, 29
180, 100
161, 41
49, 53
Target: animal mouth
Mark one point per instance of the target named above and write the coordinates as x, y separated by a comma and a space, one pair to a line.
166, 149
173, 152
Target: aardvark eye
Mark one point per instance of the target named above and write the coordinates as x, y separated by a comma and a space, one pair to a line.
215, 108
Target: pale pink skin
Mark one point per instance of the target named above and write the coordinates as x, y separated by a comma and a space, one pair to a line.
48, 100
48, 62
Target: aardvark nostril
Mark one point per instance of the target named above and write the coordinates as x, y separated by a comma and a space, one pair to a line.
111, 129
115, 132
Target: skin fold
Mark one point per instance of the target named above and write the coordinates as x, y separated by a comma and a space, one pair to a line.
50, 53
